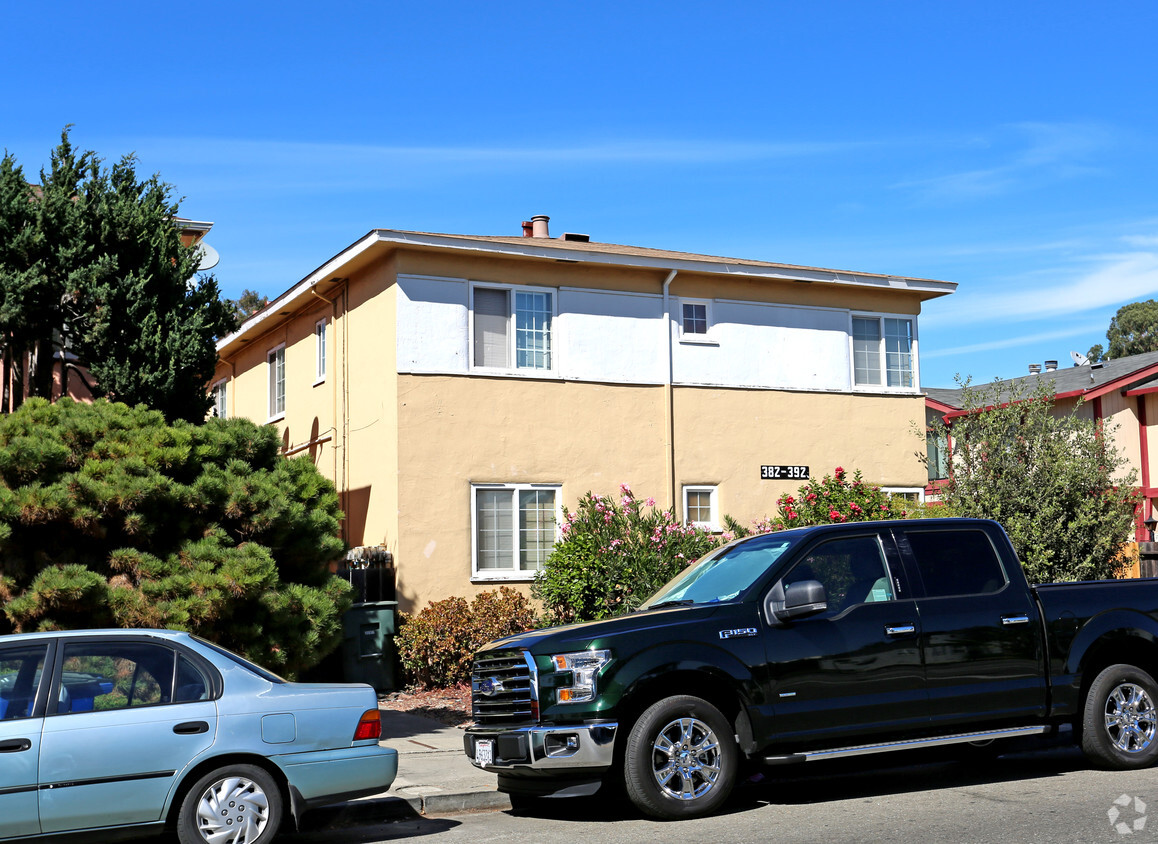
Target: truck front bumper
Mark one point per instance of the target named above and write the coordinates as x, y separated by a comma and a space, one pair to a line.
556, 748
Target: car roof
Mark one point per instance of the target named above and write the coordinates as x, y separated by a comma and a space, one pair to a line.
114, 632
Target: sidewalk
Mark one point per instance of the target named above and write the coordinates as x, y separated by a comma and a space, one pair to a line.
434, 775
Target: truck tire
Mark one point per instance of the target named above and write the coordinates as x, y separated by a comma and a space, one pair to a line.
1120, 723
680, 760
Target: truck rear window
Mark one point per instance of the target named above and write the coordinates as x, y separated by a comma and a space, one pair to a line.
956, 562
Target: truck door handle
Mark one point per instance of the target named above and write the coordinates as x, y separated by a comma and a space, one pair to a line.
901, 630
191, 728
15, 745
1008, 620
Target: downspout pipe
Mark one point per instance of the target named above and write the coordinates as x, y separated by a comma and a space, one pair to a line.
669, 389
333, 303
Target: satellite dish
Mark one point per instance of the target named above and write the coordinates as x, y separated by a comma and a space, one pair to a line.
209, 257
1079, 359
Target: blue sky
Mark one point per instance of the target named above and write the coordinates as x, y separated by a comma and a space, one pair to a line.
1008, 147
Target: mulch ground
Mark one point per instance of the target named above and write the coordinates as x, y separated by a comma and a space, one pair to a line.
447, 706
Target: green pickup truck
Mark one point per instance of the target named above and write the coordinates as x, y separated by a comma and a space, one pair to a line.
818, 643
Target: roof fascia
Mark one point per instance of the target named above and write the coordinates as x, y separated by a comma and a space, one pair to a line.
1127, 379
802, 274
939, 406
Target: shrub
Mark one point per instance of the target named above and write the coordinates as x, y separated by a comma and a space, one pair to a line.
437, 644
614, 555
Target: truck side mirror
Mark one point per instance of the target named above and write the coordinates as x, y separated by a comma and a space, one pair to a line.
807, 597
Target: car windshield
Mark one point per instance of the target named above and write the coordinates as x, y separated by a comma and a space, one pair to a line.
722, 575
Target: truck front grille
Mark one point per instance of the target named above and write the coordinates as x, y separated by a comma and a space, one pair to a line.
503, 689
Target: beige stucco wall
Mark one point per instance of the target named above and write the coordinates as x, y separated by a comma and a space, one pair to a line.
455, 431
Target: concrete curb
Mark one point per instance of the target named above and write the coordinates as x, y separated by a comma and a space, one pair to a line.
390, 807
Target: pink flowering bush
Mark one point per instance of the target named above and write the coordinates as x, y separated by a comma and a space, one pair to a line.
613, 554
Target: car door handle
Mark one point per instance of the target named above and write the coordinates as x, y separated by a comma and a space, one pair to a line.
15, 745
901, 630
191, 728
1008, 620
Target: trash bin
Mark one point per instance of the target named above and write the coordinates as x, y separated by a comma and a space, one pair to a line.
368, 653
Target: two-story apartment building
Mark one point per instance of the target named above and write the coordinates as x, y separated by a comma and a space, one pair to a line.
460, 390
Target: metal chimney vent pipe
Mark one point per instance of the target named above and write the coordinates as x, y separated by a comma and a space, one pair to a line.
1050, 365
1034, 368
539, 225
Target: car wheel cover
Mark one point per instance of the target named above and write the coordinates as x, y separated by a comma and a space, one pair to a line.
1130, 718
233, 810
685, 758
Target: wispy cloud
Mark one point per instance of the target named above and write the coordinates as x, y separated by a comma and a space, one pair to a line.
1114, 279
1012, 341
1025, 153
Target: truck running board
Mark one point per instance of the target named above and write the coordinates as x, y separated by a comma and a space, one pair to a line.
909, 744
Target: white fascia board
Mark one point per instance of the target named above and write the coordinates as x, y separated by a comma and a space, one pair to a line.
566, 255
326, 271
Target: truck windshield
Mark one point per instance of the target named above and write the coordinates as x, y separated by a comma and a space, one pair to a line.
723, 574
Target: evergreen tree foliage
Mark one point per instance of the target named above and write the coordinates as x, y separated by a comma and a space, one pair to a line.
1133, 330
1051, 479
92, 258
109, 516
247, 304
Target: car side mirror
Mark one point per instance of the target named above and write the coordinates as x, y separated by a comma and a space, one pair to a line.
805, 598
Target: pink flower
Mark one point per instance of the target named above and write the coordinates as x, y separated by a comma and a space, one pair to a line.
616, 543
839, 472
650, 502
624, 489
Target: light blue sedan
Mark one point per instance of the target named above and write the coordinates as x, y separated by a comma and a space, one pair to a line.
145, 729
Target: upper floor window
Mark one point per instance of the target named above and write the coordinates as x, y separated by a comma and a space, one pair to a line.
938, 452
514, 529
695, 321
512, 328
882, 352
276, 361
221, 399
321, 330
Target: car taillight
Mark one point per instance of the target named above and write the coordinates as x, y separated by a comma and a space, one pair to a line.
370, 726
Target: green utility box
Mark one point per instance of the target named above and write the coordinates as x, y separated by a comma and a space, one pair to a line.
368, 652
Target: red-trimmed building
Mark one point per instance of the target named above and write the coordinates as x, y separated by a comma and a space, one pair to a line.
1123, 392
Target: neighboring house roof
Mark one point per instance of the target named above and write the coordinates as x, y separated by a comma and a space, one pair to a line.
1133, 374
575, 249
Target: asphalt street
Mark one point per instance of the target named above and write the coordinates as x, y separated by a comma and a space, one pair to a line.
1044, 796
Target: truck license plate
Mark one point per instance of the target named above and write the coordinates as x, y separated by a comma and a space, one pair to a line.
484, 751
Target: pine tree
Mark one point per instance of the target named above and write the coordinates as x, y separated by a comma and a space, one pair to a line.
109, 516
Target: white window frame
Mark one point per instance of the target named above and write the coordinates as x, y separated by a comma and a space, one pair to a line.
512, 368
883, 387
919, 491
695, 337
220, 392
714, 501
514, 573
271, 362
321, 349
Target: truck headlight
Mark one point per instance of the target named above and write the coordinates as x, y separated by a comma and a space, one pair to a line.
583, 665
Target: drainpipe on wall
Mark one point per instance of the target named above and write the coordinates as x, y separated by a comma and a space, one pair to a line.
669, 389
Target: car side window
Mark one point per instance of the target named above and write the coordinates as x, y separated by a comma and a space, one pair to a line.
102, 676
20, 670
956, 562
192, 684
852, 571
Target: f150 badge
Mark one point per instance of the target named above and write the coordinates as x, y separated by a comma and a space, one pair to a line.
738, 632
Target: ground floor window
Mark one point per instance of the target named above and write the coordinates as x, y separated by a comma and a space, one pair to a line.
514, 529
701, 508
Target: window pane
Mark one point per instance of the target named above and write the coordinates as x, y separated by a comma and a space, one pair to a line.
532, 330
494, 524
536, 527
956, 562
115, 676
937, 447
866, 350
220, 395
699, 506
20, 670
320, 332
852, 571
277, 382
695, 318
899, 352
491, 320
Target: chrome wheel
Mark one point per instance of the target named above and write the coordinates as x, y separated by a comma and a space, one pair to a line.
1130, 718
234, 810
686, 759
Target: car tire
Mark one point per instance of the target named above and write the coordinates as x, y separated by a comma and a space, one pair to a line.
234, 796
1120, 722
680, 760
